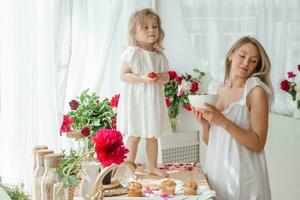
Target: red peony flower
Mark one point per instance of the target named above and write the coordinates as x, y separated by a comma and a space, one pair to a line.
109, 147
284, 85
195, 86
172, 74
291, 75
299, 68
187, 107
178, 79
66, 125
74, 104
168, 101
115, 101
86, 131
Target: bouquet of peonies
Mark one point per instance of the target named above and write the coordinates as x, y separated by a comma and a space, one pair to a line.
290, 86
94, 121
177, 90
88, 114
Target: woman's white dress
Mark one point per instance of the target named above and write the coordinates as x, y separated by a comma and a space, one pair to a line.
142, 109
234, 171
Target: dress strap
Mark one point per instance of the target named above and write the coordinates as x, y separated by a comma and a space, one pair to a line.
252, 83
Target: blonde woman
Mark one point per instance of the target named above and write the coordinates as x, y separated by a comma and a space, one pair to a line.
235, 130
142, 110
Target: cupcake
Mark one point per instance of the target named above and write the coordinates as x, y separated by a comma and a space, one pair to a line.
134, 189
190, 188
168, 187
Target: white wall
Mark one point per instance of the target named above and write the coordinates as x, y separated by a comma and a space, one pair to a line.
282, 153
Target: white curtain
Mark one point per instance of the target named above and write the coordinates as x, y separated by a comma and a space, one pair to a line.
28, 86
50, 51
213, 26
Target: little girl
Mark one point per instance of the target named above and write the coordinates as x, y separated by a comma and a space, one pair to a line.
142, 110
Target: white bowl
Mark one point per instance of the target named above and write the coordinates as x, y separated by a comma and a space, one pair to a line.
199, 100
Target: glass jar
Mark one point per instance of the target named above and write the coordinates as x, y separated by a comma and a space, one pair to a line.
50, 177
39, 172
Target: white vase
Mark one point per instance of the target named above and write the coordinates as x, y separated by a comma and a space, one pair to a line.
91, 171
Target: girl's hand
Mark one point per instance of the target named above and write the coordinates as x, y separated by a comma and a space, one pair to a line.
199, 116
147, 79
213, 115
162, 78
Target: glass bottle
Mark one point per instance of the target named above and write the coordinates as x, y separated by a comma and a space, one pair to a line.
38, 173
50, 177
34, 150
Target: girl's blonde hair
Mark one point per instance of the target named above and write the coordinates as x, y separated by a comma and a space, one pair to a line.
137, 20
262, 70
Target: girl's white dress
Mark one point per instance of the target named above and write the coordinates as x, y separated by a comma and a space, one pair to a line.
234, 171
142, 109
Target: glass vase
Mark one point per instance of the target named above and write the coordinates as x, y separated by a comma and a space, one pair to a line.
173, 124
296, 113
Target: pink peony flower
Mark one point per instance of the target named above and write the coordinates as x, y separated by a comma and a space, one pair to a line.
186, 86
180, 91
284, 85
74, 104
109, 147
66, 125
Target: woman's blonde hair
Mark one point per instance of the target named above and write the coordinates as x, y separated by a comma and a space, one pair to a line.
262, 70
137, 20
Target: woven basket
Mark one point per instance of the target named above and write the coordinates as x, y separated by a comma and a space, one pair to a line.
69, 193
98, 191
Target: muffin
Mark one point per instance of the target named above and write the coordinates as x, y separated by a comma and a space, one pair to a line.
168, 187
134, 189
190, 187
